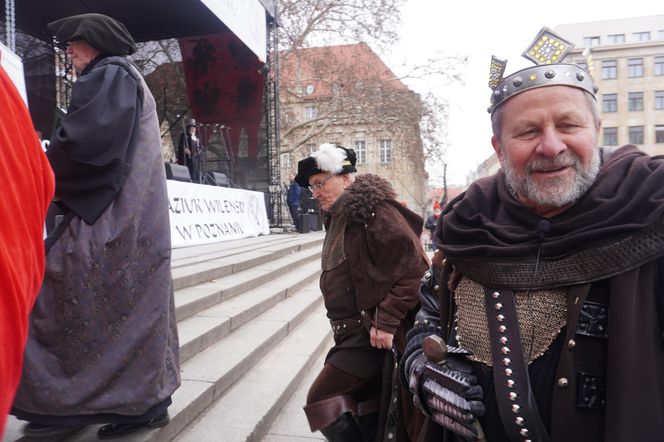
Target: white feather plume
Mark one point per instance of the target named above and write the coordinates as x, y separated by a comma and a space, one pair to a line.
329, 158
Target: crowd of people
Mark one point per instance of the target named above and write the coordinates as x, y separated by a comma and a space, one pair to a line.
540, 316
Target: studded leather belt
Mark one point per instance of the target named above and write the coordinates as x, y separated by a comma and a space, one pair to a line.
516, 402
342, 326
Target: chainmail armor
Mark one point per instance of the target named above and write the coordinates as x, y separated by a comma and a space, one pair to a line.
604, 260
542, 314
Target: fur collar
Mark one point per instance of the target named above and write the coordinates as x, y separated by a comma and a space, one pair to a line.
362, 197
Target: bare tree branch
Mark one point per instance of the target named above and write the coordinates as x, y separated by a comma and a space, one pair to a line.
353, 93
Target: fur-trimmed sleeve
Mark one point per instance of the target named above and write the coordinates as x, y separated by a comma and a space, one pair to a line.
388, 262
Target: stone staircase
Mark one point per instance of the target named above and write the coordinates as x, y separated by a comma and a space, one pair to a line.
252, 325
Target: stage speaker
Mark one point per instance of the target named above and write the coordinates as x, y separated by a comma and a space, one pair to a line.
216, 179
308, 205
304, 226
310, 222
177, 172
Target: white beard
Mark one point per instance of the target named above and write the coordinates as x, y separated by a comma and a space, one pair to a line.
554, 192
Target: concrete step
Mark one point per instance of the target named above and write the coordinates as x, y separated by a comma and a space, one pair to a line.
209, 375
227, 325
192, 300
246, 411
291, 424
193, 254
226, 262
210, 325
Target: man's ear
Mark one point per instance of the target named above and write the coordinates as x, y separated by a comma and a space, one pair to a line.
496, 146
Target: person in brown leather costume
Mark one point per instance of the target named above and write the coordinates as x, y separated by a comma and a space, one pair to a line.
553, 278
372, 263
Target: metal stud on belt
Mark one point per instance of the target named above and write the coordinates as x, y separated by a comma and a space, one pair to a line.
516, 403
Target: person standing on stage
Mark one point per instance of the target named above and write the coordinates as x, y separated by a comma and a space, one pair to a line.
103, 345
293, 201
552, 288
372, 262
26, 192
189, 151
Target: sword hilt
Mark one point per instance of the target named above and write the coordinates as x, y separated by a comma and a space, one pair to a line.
435, 350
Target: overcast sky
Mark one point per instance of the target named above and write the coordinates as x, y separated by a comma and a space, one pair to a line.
478, 30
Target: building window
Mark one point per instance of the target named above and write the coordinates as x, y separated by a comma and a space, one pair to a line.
659, 65
610, 136
591, 42
609, 103
385, 151
360, 147
635, 101
286, 160
310, 112
311, 148
636, 135
615, 39
582, 64
660, 34
659, 134
641, 36
635, 67
609, 69
659, 100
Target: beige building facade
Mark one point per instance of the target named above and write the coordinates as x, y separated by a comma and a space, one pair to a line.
627, 64
346, 95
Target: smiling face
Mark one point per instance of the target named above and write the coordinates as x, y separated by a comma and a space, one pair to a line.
547, 146
81, 54
327, 188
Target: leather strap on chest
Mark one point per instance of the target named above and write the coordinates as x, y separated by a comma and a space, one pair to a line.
516, 402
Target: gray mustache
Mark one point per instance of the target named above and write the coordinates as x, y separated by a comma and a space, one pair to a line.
566, 159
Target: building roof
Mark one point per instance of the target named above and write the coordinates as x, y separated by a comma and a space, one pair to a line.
317, 70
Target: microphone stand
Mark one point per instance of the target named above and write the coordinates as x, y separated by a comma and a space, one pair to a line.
202, 162
229, 149
187, 146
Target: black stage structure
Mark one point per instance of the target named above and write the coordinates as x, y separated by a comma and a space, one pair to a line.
190, 22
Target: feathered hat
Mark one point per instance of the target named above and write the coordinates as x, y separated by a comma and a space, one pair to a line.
330, 158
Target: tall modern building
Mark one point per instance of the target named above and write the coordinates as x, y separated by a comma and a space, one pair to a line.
626, 59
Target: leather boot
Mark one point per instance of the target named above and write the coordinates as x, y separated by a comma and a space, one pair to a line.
369, 424
344, 429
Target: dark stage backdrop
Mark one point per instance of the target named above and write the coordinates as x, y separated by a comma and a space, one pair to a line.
38, 67
225, 85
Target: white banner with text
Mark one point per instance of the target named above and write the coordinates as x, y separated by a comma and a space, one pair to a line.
202, 214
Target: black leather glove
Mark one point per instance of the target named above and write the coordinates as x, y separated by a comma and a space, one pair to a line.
449, 394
